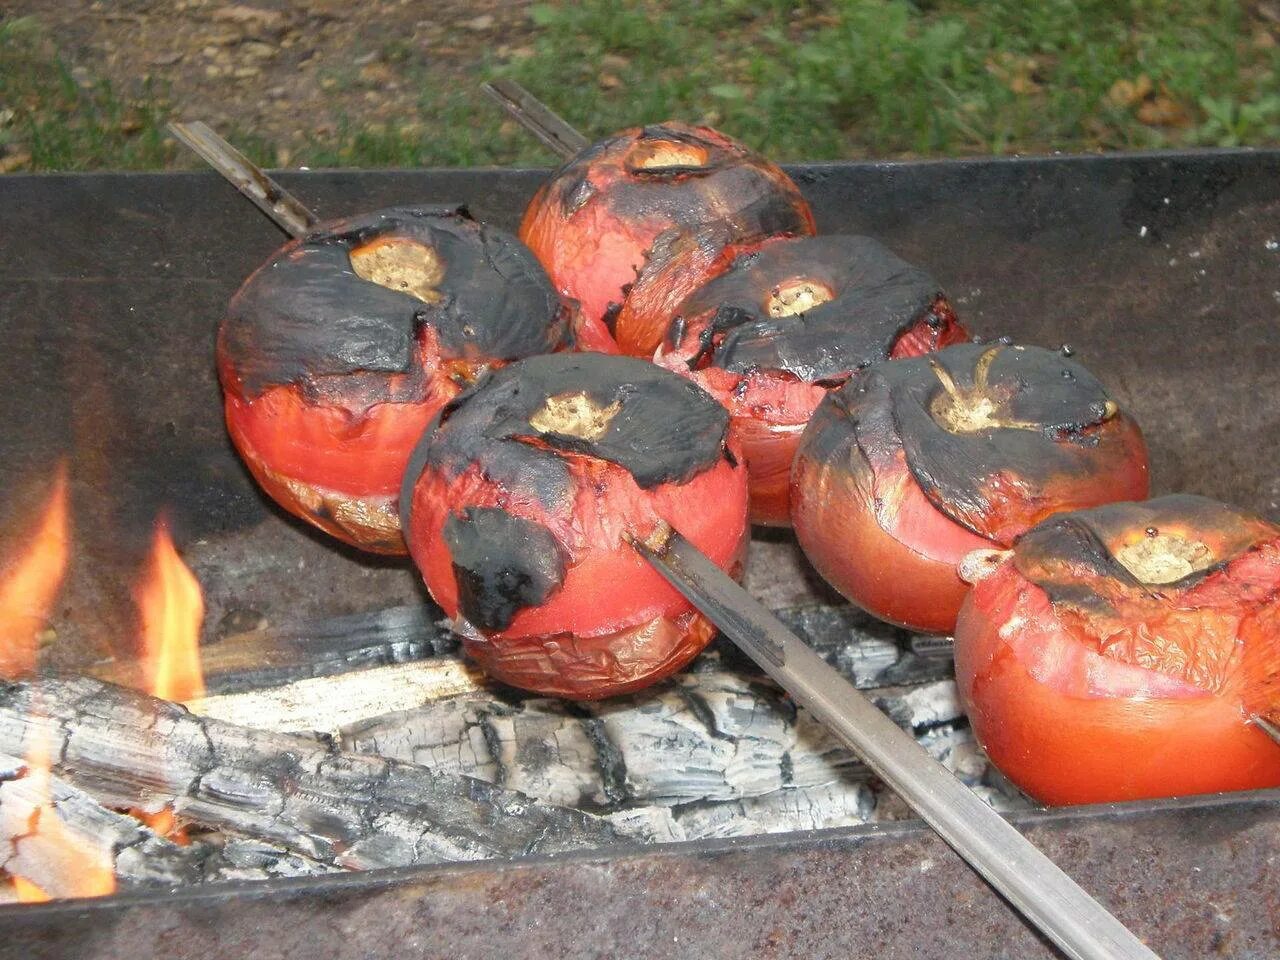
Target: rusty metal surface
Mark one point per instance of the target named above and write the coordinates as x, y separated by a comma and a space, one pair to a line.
1157, 269
1163, 272
1194, 879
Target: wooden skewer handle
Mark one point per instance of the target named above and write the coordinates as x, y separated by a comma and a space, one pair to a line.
288, 212
536, 117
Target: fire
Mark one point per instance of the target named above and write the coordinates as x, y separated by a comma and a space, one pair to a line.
30, 584
69, 864
164, 822
172, 610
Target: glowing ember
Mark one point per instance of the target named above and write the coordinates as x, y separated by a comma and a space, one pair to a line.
69, 864
164, 822
172, 609
30, 584
28, 892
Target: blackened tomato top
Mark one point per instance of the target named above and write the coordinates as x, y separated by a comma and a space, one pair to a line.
340, 312
521, 497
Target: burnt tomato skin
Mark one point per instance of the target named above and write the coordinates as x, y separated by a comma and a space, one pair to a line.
773, 326
593, 224
338, 351
1085, 684
886, 499
521, 502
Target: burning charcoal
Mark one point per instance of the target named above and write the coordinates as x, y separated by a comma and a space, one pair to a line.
595, 222
710, 735
920, 707
523, 501
67, 844
647, 825
326, 704
278, 655
785, 321
870, 652
240, 858
124, 748
337, 352
920, 461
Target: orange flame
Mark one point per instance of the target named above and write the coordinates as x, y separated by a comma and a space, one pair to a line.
28, 892
172, 610
70, 864
29, 586
164, 822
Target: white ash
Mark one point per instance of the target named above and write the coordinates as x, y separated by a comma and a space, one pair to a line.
647, 825
783, 811
923, 706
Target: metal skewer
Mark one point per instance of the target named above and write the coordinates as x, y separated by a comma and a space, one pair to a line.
1028, 879
1267, 727
536, 117
288, 212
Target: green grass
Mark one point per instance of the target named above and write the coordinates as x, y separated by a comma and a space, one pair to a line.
800, 80
864, 77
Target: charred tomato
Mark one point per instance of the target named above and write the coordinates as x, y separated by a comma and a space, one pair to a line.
785, 321
915, 463
594, 223
521, 502
1124, 652
337, 352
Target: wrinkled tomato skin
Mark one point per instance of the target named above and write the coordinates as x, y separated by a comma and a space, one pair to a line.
614, 625
589, 258
1080, 745
769, 409
898, 560
595, 667
769, 450
335, 470
325, 445
594, 223
610, 586
900, 564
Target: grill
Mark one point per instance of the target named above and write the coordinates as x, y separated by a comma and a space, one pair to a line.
1159, 271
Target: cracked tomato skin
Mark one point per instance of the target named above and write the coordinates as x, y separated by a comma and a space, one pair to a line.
329, 377
1072, 716
873, 532
593, 224
337, 465
769, 410
879, 307
598, 620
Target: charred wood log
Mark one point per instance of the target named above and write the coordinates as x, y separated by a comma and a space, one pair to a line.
127, 749
53, 855
273, 656
710, 735
870, 653
327, 704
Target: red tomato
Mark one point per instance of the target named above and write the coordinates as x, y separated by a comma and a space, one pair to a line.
521, 505
593, 224
1086, 683
768, 328
896, 479
338, 351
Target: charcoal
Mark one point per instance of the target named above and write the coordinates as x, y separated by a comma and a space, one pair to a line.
125, 749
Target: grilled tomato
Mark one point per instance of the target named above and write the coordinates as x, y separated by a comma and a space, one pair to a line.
787, 320
522, 500
1127, 651
915, 463
337, 352
595, 222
